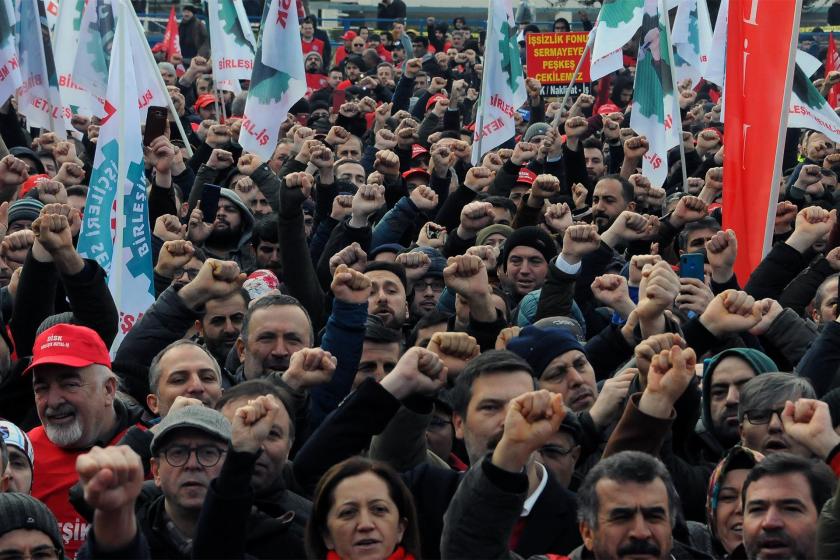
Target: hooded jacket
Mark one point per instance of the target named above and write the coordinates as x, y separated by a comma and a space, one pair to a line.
241, 254
758, 362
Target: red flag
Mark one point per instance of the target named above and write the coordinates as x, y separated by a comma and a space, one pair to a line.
832, 63
761, 36
171, 43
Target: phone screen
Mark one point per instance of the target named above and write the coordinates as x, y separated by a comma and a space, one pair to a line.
155, 124
691, 266
210, 202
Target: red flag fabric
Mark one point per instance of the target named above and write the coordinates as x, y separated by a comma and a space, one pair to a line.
171, 43
761, 38
832, 63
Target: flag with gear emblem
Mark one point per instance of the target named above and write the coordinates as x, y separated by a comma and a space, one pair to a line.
502, 84
231, 43
115, 230
655, 113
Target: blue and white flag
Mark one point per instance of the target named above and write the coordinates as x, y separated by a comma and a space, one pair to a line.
115, 230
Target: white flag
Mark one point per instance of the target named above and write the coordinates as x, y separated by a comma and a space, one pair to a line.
38, 97
715, 70
655, 113
278, 80
115, 230
66, 43
692, 40
92, 61
231, 43
600, 67
10, 78
618, 21
808, 109
502, 85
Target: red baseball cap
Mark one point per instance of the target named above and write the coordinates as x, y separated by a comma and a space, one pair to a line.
417, 150
32, 182
69, 345
415, 171
526, 176
608, 108
204, 100
349, 35
434, 99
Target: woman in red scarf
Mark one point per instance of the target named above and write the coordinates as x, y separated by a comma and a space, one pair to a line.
362, 511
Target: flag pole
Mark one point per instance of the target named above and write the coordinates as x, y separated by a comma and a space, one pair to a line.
556, 121
162, 85
115, 273
663, 10
479, 124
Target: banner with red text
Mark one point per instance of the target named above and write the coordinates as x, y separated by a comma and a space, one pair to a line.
10, 78
551, 58
761, 41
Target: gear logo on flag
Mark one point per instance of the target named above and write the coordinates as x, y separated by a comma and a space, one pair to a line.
231, 24
509, 49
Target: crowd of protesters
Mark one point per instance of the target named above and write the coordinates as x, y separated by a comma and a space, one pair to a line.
375, 349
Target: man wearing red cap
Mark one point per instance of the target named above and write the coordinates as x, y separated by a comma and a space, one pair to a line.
205, 106
75, 396
345, 49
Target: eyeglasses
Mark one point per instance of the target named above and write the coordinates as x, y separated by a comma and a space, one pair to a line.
555, 451
435, 286
190, 272
762, 416
37, 553
206, 455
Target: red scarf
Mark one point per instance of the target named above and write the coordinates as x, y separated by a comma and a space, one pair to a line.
398, 554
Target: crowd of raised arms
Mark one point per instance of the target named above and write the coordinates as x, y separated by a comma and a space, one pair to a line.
377, 350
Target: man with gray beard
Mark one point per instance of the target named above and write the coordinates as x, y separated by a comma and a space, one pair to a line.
75, 396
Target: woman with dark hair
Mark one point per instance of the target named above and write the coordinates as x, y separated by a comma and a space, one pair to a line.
362, 510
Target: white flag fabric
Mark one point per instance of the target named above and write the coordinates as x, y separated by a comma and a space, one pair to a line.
502, 84
655, 113
278, 80
38, 97
231, 43
715, 70
618, 21
10, 78
809, 109
115, 230
92, 61
66, 43
692, 40
600, 67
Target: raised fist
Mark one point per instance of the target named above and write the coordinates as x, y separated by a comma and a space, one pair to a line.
349, 285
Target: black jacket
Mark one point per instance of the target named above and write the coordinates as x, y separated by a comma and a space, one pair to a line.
365, 413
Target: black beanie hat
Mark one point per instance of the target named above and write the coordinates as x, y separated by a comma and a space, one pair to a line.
22, 511
530, 236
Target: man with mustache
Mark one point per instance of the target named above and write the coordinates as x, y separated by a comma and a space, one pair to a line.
226, 235
612, 195
560, 364
627, 504
388, 293
75, 396
782, 499
723, 378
